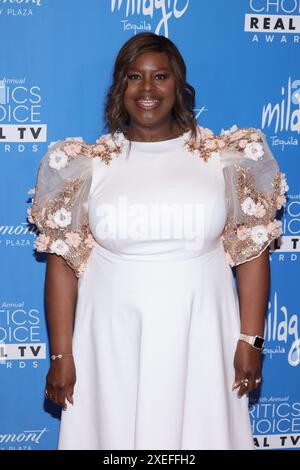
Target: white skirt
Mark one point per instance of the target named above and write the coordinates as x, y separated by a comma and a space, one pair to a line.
154, 345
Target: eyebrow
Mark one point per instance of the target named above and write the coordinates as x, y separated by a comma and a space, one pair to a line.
156, 70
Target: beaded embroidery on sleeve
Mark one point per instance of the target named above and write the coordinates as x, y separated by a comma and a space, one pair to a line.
259, 188
59, 214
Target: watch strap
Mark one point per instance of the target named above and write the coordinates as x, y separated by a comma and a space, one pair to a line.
255, 341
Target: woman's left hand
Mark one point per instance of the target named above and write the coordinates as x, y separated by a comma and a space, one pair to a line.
247, 365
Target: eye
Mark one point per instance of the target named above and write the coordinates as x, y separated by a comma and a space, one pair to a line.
136, 76
133, 76
162, 76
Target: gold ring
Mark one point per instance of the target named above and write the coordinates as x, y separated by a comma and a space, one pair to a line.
245, 382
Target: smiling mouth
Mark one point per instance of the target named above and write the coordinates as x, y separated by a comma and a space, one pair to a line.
148, 104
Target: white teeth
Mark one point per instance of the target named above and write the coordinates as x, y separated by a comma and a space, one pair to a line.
148, 104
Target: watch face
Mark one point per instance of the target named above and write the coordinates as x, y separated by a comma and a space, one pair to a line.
258, 343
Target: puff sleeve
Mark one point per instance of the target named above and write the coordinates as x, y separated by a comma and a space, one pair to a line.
60, 203
255, 190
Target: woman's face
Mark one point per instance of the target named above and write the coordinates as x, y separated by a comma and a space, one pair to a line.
150, 94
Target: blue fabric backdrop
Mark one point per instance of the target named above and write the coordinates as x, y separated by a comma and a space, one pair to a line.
56, 62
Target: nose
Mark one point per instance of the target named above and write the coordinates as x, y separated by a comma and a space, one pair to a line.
147, 84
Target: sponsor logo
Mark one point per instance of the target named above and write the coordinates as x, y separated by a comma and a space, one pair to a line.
38, 3
17, 8
287, 247
20, 335
20, 114
151, 14
14, 236
22, 440
273, 21
275, 422
283, 115
282, 332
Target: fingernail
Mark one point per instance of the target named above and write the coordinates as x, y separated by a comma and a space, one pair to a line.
234, 386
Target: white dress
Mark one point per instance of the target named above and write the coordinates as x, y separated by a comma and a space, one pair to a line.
157, 318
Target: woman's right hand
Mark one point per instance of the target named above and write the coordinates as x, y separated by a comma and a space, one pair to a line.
60, 381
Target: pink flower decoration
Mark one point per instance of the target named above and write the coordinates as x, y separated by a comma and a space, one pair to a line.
72, 149
254, 136
100, 148
206, 133
42, 242
90, 241
101, 140
73, 239
221, 144
112, 148
275, 228
243, 233
82, 268
236, 135
50, 222
281, 200
210, 144
243, 143
260, 211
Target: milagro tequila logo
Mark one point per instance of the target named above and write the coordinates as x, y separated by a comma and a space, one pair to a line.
282, 329
148, 9
273, 21
283, 115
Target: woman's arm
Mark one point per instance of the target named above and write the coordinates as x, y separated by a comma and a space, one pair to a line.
61, 296
253, 288
253, 282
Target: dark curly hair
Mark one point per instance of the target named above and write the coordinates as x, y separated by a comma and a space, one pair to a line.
116, 116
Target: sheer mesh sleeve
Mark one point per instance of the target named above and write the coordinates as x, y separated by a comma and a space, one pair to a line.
60, 203
255, 190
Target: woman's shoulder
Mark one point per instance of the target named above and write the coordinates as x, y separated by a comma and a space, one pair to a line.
107, 146
61, 152
247, 141
236, 142
210, 144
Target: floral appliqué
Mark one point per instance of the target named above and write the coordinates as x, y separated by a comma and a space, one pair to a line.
206, 144
55, 219
257, 227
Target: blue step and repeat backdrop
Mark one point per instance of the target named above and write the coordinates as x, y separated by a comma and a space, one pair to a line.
56, 62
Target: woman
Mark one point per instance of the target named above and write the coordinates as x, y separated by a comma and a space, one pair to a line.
141, 229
